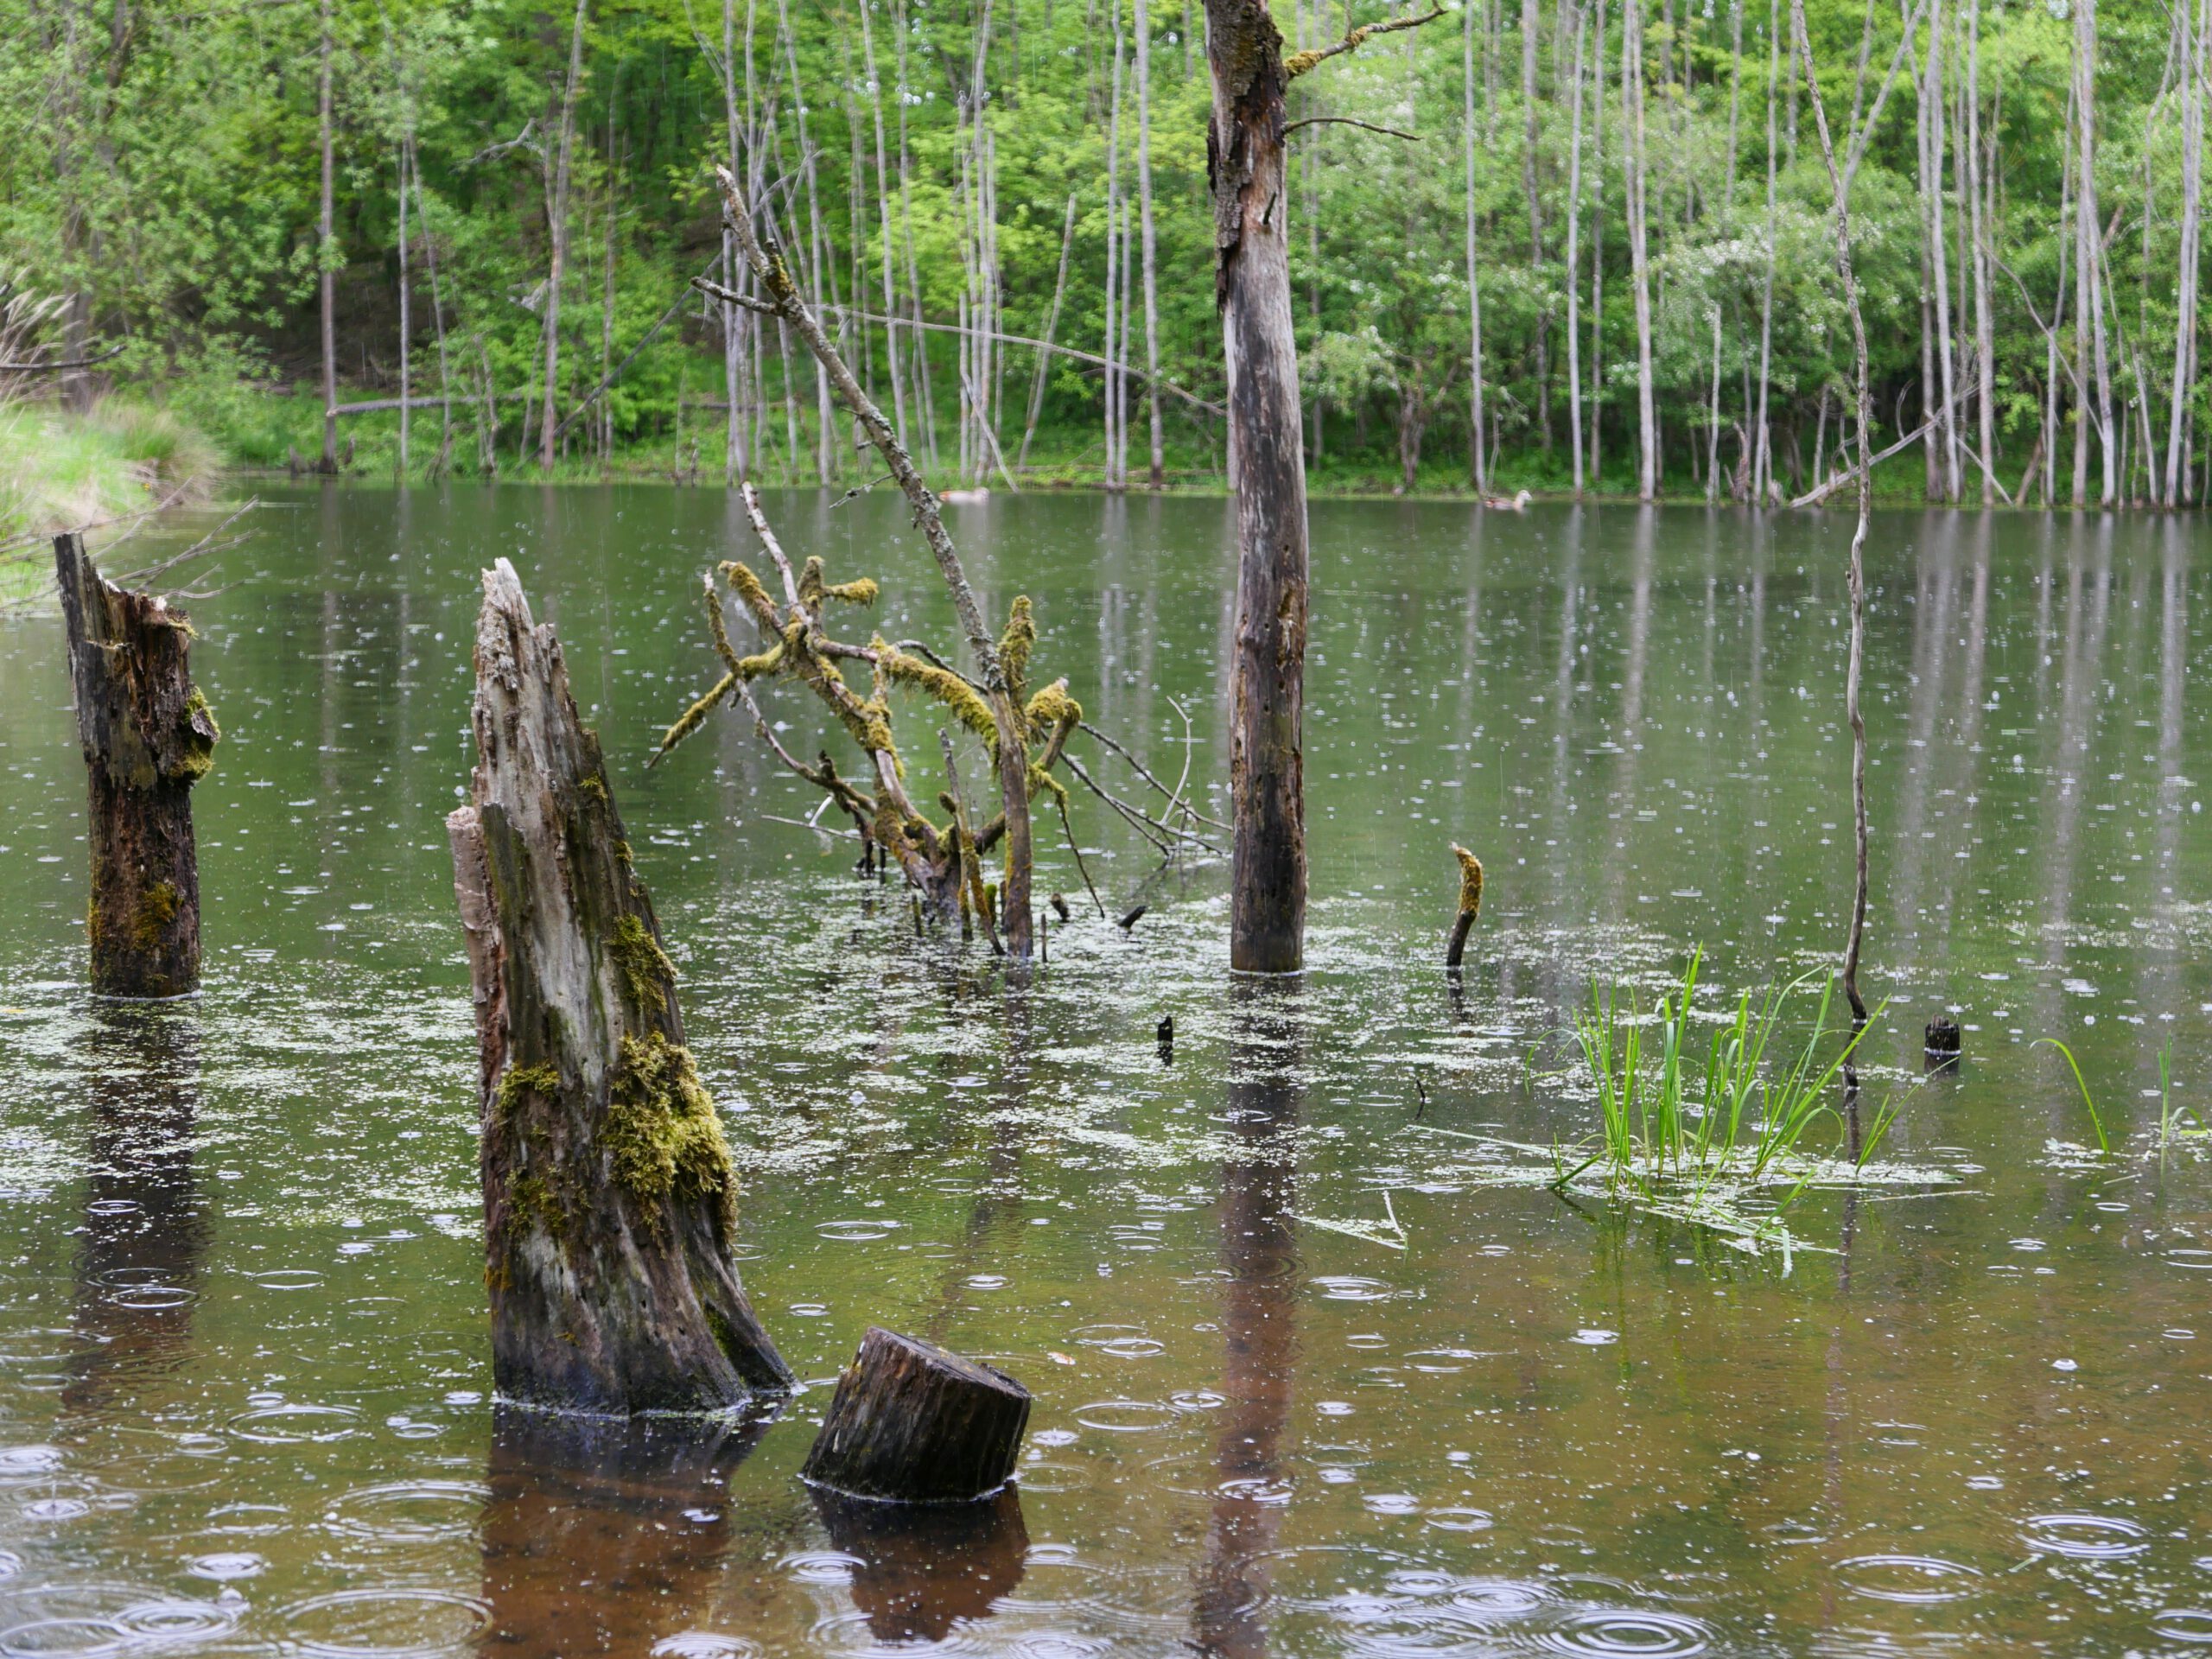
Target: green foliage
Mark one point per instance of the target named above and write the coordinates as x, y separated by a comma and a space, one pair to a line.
168, 168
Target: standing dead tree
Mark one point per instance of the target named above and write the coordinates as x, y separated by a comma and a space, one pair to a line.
609, 1199
147, 736
1267, 471
757, 241
943, 861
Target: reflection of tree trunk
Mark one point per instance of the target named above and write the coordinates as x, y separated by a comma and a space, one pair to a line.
137, 1273
1259, 1340
603, 1536
924, 1567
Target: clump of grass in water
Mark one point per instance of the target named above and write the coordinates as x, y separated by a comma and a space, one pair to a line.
1700, 1137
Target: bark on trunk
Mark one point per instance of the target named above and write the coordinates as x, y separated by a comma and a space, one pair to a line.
1244, 164
910, 1423
1647, 419
558, 232
609, 1199
1147, 244
147, 736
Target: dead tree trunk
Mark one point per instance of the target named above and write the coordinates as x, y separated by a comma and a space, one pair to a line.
1244, 164
608, 1195
147, 736
913, 1423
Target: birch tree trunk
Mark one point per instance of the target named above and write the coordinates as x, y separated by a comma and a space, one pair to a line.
1763, 472
883, 208
326, 253
1932, 192
557, 233
1158, 471
1573, 257
1985, 327
1052, 325
2194, 18
1477, 451
1244, 165
406, 384
2092, 381
1647, 421
609, 1200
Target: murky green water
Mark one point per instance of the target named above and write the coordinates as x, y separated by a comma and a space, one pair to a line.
244, 1389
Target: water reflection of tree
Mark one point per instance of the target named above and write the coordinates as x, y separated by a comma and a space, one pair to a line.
137, 1270
606, 1535
1259, 1336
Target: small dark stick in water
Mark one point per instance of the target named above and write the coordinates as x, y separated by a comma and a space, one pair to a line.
1470, 904
1130, 921
1942, 1043
1060, 906
1166, 1035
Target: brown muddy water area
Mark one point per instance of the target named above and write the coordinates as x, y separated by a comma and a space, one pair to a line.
1321, 1367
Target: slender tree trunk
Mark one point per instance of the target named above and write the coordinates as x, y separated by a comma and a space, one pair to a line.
1531, 30
1478, 456
2052, 362
2091, 377
1763, 472
2194, 18
1985, 328
1647, 420
1946, 358
1244, 157
1574, 255
437, 308
406, 320
1052, 325
1159, 473
883, 210
1597, 250
1114, 479
1857, 578
557, 234
326, 252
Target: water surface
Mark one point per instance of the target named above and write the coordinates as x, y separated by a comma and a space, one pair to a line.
244, 1395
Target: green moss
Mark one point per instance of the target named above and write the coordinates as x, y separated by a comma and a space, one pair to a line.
747, 587
813, 589
543, 1080
662, 1136
1053, 708
966, 703
198, 735
646, 970
1471, 880
1015, 647
534, 1205
157, 908
593, 785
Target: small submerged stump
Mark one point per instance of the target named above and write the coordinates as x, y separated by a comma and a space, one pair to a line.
609, 1198
1471, 905
913, 1423
1942, 1043
147, 736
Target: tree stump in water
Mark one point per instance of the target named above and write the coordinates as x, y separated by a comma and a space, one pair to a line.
1942, 1043
609, 1199
147, 736
913, 1423
1471, 905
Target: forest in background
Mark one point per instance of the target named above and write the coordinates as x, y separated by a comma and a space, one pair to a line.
1515, 228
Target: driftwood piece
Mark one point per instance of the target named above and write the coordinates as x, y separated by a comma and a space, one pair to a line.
912, 1423
609, 1198
147, 736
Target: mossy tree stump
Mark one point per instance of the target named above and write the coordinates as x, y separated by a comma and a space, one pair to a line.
147, 736
609, 1198
913, 1423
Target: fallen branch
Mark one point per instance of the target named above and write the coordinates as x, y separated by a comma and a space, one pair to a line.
1346, 121
1299, 62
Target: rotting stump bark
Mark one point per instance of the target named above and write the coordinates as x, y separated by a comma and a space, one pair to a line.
913, 1423
609, 1197
147, 736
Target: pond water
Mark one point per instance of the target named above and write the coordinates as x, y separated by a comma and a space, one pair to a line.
1308, 1379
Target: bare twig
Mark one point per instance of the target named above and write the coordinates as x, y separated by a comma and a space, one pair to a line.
1138, 766
1081, 867
1346, 121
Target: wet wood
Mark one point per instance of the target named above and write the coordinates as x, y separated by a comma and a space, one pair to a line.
1471, 905
913, 1423
609, 1198
1244, 165
1942, 1043
147, 736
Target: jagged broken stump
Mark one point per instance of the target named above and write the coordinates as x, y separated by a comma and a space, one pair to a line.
609, 1199
147, 736
913, 1423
